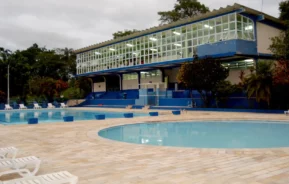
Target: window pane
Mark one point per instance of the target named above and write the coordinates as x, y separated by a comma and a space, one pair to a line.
232, 26
232, 17
225, 19
218, 20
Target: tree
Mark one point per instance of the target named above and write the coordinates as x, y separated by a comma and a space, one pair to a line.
259, 83
280, 44
284, 10
223, 90
183, 9
280, 49
69, 58
203, 76
78, 88
281, 72
126, 32
46, 86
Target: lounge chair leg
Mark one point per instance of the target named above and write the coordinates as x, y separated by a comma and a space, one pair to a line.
36, 168
18, 171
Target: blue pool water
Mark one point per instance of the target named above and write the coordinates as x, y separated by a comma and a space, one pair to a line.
237, 134
54, 115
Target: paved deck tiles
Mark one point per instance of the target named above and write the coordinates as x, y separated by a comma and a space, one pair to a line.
75, 147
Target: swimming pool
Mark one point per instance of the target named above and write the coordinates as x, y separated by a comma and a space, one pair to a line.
229, 134
54, 115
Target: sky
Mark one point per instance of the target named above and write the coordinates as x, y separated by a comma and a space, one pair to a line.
76, 24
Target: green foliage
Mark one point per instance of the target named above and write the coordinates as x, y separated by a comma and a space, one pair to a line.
78, 88
223, 90
33, 62
126, 32
280, 44
284, 10
73, 93
46, 86
259, 83
203, 76
183, 9
281, 72
2, 97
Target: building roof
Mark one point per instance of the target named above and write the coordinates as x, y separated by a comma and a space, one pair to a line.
213, 13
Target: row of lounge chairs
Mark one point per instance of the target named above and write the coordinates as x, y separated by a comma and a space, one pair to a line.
36, 106
13, 165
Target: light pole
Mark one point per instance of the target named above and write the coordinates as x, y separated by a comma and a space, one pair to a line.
8, 86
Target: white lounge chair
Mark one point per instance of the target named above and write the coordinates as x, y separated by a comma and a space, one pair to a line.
286, 112
50, 106
129, 107
8, 107
147, 107
36, 106
5, 152
20, 166
62, 177
62, 105
22, 106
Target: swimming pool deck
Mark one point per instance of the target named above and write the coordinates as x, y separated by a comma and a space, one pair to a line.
76, 147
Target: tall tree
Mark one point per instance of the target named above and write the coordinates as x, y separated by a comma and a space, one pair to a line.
203, 76
284, 10
280, 44
183, 9
126, 32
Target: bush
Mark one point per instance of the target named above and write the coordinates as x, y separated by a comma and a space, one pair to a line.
73, 93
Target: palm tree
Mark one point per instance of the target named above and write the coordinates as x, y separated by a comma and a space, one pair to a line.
259, 83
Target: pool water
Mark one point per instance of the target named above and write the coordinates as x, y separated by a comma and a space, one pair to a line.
54, 115
229, 134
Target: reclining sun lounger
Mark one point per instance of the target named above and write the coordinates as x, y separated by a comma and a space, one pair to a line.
20, 166
8, 107
5, 152
62, 105
22, 106
62, 177
50, 106
36, 106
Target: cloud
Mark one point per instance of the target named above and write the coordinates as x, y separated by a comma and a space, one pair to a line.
76, 24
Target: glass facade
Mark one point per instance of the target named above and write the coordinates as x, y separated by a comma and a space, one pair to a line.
171, 44
237, 65
130, 76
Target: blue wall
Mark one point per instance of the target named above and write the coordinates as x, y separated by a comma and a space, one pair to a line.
229, 46
233, 102
110, 102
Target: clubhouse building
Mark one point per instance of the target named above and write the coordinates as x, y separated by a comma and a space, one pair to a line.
150, 59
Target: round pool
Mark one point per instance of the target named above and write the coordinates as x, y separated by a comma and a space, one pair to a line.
224, 134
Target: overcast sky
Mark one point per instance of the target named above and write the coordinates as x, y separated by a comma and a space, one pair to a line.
79, 23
